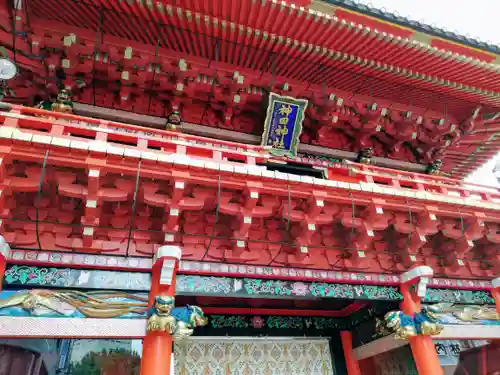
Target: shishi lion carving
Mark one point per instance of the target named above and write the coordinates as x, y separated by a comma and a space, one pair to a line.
406, 326
177, 321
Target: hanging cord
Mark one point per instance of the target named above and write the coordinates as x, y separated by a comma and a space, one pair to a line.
98, 38
408, 238
38, 197
154, 66
288, 224
349, 246
353, 214
212, 88
134, 205
14, 32
462, 224
216, 220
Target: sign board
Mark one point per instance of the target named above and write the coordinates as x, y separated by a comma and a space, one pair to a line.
283, 124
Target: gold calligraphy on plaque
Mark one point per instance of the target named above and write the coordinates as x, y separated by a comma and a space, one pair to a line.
282, 129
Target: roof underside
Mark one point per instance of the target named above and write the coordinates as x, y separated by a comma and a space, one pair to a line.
272, 46
417, 26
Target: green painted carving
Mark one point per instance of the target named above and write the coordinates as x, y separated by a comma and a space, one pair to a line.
326, 290
379, 292
193, 284
473, 297
323, 324
278, 322
232, 287
332, 290
76, 278
204, 284
355, 291
27, 275
285, 322
268, 287
229, 321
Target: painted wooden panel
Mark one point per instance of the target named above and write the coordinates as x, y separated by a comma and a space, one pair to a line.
256, 357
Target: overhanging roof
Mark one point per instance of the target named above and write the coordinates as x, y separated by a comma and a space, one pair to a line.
338, 51
416, 25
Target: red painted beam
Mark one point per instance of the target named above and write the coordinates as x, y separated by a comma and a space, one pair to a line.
356, 306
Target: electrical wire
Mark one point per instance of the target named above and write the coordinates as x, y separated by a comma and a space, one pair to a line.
410, 233
216, 220
151, 86
287, 230
353, 222
14, 32
212, 88
134, 205
462, 224
436, 98
284, 243
38, 197
98, 37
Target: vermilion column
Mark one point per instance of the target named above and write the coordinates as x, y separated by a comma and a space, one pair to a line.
4, 253
413, 288
495, 292
351, 363
157, 358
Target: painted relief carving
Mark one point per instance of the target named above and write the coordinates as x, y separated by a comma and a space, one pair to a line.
72, 304
480, 297
177, 321
406, 326
449, 313
381, 329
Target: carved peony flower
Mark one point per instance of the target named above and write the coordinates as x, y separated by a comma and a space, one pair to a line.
257, 322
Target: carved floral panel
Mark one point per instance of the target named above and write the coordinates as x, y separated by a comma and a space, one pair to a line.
256, 357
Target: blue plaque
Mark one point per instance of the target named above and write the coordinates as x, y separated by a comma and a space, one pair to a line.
283, 124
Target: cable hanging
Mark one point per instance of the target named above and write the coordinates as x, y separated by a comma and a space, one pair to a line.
408, 238
134, 205
287, 229
38, 197
326, 248
353, 222
462, 224
216, 220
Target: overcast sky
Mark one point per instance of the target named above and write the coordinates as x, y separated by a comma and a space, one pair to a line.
477, 19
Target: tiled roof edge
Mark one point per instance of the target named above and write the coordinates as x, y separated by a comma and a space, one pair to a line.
418, 26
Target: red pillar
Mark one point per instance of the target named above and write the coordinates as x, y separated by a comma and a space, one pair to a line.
351, 363
495, 292
367, 366
413, 288
157, 346
483, 361
4, 253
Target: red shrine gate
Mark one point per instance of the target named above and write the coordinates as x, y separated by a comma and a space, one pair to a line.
403, 208
97, 195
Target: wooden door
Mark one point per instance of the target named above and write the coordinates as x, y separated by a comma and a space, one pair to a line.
18, 361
